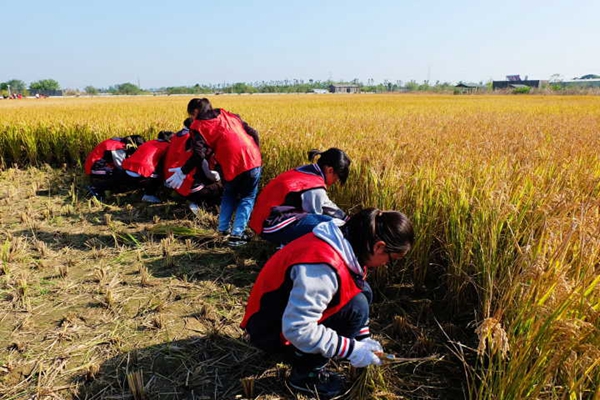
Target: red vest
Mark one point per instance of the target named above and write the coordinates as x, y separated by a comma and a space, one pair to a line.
234, 149
270, 288
146, 158
275, 192
176, 157
98, 152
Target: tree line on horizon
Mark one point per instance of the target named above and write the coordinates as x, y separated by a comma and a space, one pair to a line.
46, 86
17, 86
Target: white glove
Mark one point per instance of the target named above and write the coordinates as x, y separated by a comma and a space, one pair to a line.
214, 176
363, 353
210, 174
176, 180
372, 342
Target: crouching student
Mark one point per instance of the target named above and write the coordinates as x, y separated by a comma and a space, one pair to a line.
202, 185
311, 302
294, 202
104, 163
144, 168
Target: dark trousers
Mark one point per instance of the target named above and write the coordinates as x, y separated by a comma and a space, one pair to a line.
296, 229
346, 322
120, 182
208, 196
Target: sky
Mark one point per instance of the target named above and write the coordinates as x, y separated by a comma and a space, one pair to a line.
181, 43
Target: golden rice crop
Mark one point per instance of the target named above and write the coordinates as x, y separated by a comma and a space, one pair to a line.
504, 192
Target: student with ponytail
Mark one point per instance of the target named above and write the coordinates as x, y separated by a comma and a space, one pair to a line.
310, 301
294, 202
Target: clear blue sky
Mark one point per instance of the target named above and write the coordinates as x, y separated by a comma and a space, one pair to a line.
173, 42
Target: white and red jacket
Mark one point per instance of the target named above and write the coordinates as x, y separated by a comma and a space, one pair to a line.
301, 285
276, 191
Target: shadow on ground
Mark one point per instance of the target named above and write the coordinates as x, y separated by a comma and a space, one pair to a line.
214, 262
208, 367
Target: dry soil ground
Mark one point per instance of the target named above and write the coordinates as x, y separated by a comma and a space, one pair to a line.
124, 300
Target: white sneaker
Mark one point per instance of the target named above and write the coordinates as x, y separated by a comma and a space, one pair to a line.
194, 208
148, 198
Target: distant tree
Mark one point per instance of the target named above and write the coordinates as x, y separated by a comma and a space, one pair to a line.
90, 90
44, 84
521, 90
411, 85
16, 86
125, 88
240, 87
424, 86
555, 78
71, 92
442, 87
368, 88
181, 89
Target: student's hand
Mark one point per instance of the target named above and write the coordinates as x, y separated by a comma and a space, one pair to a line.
363, 353
176, 180
374, 343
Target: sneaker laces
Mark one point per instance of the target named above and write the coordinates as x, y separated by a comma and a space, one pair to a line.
323, 376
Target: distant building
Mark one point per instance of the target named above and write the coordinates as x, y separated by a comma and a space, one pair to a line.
515, 81
320, 91
580, 83
344, 88
468, 88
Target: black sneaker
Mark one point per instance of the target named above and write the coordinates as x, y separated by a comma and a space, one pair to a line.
238, 240
325, 384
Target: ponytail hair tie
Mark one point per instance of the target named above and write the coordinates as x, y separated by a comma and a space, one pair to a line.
313, 153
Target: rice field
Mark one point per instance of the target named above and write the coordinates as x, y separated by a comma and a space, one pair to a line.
504, 192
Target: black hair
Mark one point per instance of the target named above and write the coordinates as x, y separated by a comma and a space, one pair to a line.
334, 158
188, 122
371, 225
165, 135
132, 142
205, 109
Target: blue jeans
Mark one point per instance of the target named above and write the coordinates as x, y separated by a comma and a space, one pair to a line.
238, 196
346, 322
295, 230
